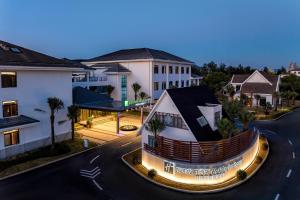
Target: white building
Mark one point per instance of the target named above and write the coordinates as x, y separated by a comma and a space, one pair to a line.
257, 83
27, 79
154, 70
294, 69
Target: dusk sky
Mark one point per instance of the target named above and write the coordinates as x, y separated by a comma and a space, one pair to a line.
257, 32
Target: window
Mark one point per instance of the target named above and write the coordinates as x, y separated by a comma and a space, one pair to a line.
151, 141
170, 84
182, 83
237, 88
123, 88
163, 85
8, 79
182, 70
10, 108
187, 70
170, 69
172, 120
176, 84
187, 83
11, 137
217, 117
163, 69
155, 69
176, 70
156, 86
202, 121
15, 50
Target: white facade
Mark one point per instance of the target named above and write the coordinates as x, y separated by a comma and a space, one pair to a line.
143, 72
34, 86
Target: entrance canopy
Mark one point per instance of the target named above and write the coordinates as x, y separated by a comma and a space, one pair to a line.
87, 99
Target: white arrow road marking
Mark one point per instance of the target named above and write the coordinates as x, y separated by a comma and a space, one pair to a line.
289, 173
277, 197
91, 162
98, 186
91, 174
290, 142
89, 171
123, 145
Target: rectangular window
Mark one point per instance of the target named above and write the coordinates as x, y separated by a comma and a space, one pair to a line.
170, 69
10, 108
123, 88
156, 69
151, 141
170, 84
187, 70
176, 70
163, 69
187, 83
237, 88
156, 86
202, 121
163, 85
182, 83
8, 79
182, 70
11, 137
217, 118
176, 84
172, 120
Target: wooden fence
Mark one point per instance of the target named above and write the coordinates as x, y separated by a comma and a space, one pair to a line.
203, 152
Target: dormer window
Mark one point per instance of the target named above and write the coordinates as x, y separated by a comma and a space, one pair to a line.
202, 121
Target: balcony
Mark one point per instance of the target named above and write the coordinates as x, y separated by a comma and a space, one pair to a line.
84, 79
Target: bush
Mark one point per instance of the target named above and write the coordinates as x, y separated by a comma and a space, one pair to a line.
241, 174
136, 160
262, 136
152, 173
265, 146
258, 159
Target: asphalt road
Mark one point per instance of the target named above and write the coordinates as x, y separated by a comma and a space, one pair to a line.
70, 178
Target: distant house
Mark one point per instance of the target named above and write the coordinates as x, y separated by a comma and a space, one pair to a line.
257, 83
294, 69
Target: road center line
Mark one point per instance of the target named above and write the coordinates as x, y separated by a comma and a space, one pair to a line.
290, 142
294, 156
97, 185
123, 145
289, 173
94, 159
277, 196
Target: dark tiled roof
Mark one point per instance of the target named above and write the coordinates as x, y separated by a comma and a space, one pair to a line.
16, 121
187, 101
263, 88
112, 67
140, 53
13, 55
240, 78
82, 95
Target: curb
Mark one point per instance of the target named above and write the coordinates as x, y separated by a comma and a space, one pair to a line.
57, 160
191, 191
279, 116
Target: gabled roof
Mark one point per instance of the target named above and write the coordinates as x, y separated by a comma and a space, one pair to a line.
239, 78
13, 55
187, 101
137, 54
112, 67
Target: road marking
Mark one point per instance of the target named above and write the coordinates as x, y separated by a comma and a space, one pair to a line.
294, 156
90, 173
290, 142
123, 145
91, 162
277, 196
98, 186
289, 174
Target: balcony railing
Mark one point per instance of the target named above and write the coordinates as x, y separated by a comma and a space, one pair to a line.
203, 152
91, 79
79, 79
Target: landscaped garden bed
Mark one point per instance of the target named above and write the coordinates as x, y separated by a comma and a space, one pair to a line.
133, 160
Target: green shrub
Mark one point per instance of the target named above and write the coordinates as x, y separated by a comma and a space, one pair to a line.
152, 173
258, 159
241, 174
136, 160
265, 146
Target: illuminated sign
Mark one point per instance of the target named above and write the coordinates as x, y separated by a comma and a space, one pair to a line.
169, 167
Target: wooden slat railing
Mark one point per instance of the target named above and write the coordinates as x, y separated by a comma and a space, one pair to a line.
203, 152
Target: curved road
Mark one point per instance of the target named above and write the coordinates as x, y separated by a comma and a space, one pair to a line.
277, 179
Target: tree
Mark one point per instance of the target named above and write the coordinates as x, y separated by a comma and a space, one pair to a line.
143, 95
246, 118
275, 96
136, 87
73, 114
288, 95
225, 127
268, 107
243, 98
293, 96
55, 104
109, 90
233, 108
216, 80
257, 98
155, 126
229, 89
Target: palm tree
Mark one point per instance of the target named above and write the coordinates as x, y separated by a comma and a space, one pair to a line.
109, 89
55, 104
225, 127
293, 96
143, 95
246, 118
155, 126
73, 114
136, 87
230, 91
276, 95
257, 98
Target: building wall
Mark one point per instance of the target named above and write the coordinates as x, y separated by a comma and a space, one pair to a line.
33, 89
